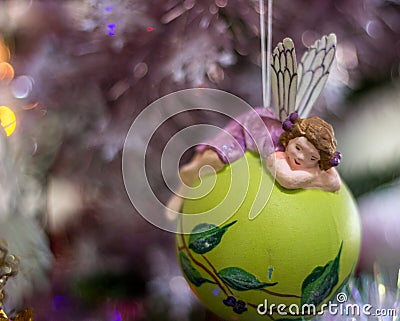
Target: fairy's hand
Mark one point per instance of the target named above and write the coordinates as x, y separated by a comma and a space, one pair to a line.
270, 161
293, 179
328, 180
274, 157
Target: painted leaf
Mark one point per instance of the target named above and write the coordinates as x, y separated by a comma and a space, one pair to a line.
205, 237
190, 271
241, 280
341, 288
320, 283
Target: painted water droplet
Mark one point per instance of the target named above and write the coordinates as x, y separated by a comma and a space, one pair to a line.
270, 271
216, 291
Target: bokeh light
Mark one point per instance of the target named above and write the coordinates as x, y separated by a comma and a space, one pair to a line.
22, 86
6, 72
77, 73
8, 120
4, 52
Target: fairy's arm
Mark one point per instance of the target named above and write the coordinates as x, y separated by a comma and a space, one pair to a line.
327, 180
291, 179
285, 176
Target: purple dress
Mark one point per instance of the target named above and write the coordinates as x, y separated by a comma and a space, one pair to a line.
248, 132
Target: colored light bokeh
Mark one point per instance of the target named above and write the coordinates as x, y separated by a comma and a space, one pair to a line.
6, 71
4, 52
8, 120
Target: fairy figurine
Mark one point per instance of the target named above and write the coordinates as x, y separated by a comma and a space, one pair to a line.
303, 152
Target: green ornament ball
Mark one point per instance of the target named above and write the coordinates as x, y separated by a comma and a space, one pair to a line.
262, 252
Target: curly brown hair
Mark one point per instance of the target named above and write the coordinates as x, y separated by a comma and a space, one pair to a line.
318, 132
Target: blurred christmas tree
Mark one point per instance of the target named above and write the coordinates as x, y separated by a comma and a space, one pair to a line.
85, 69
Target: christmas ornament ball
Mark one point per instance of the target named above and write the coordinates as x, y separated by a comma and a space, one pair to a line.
298, 252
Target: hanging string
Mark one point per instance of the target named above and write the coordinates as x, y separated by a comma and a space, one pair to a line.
269, 52
266, 54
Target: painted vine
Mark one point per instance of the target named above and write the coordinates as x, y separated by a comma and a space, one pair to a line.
316, 287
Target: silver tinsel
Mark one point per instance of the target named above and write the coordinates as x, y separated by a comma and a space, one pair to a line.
368, 297
115, 19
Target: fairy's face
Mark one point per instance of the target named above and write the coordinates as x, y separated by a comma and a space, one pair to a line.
301, 154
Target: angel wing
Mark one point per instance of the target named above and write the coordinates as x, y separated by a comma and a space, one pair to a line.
313, 72
284, 78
